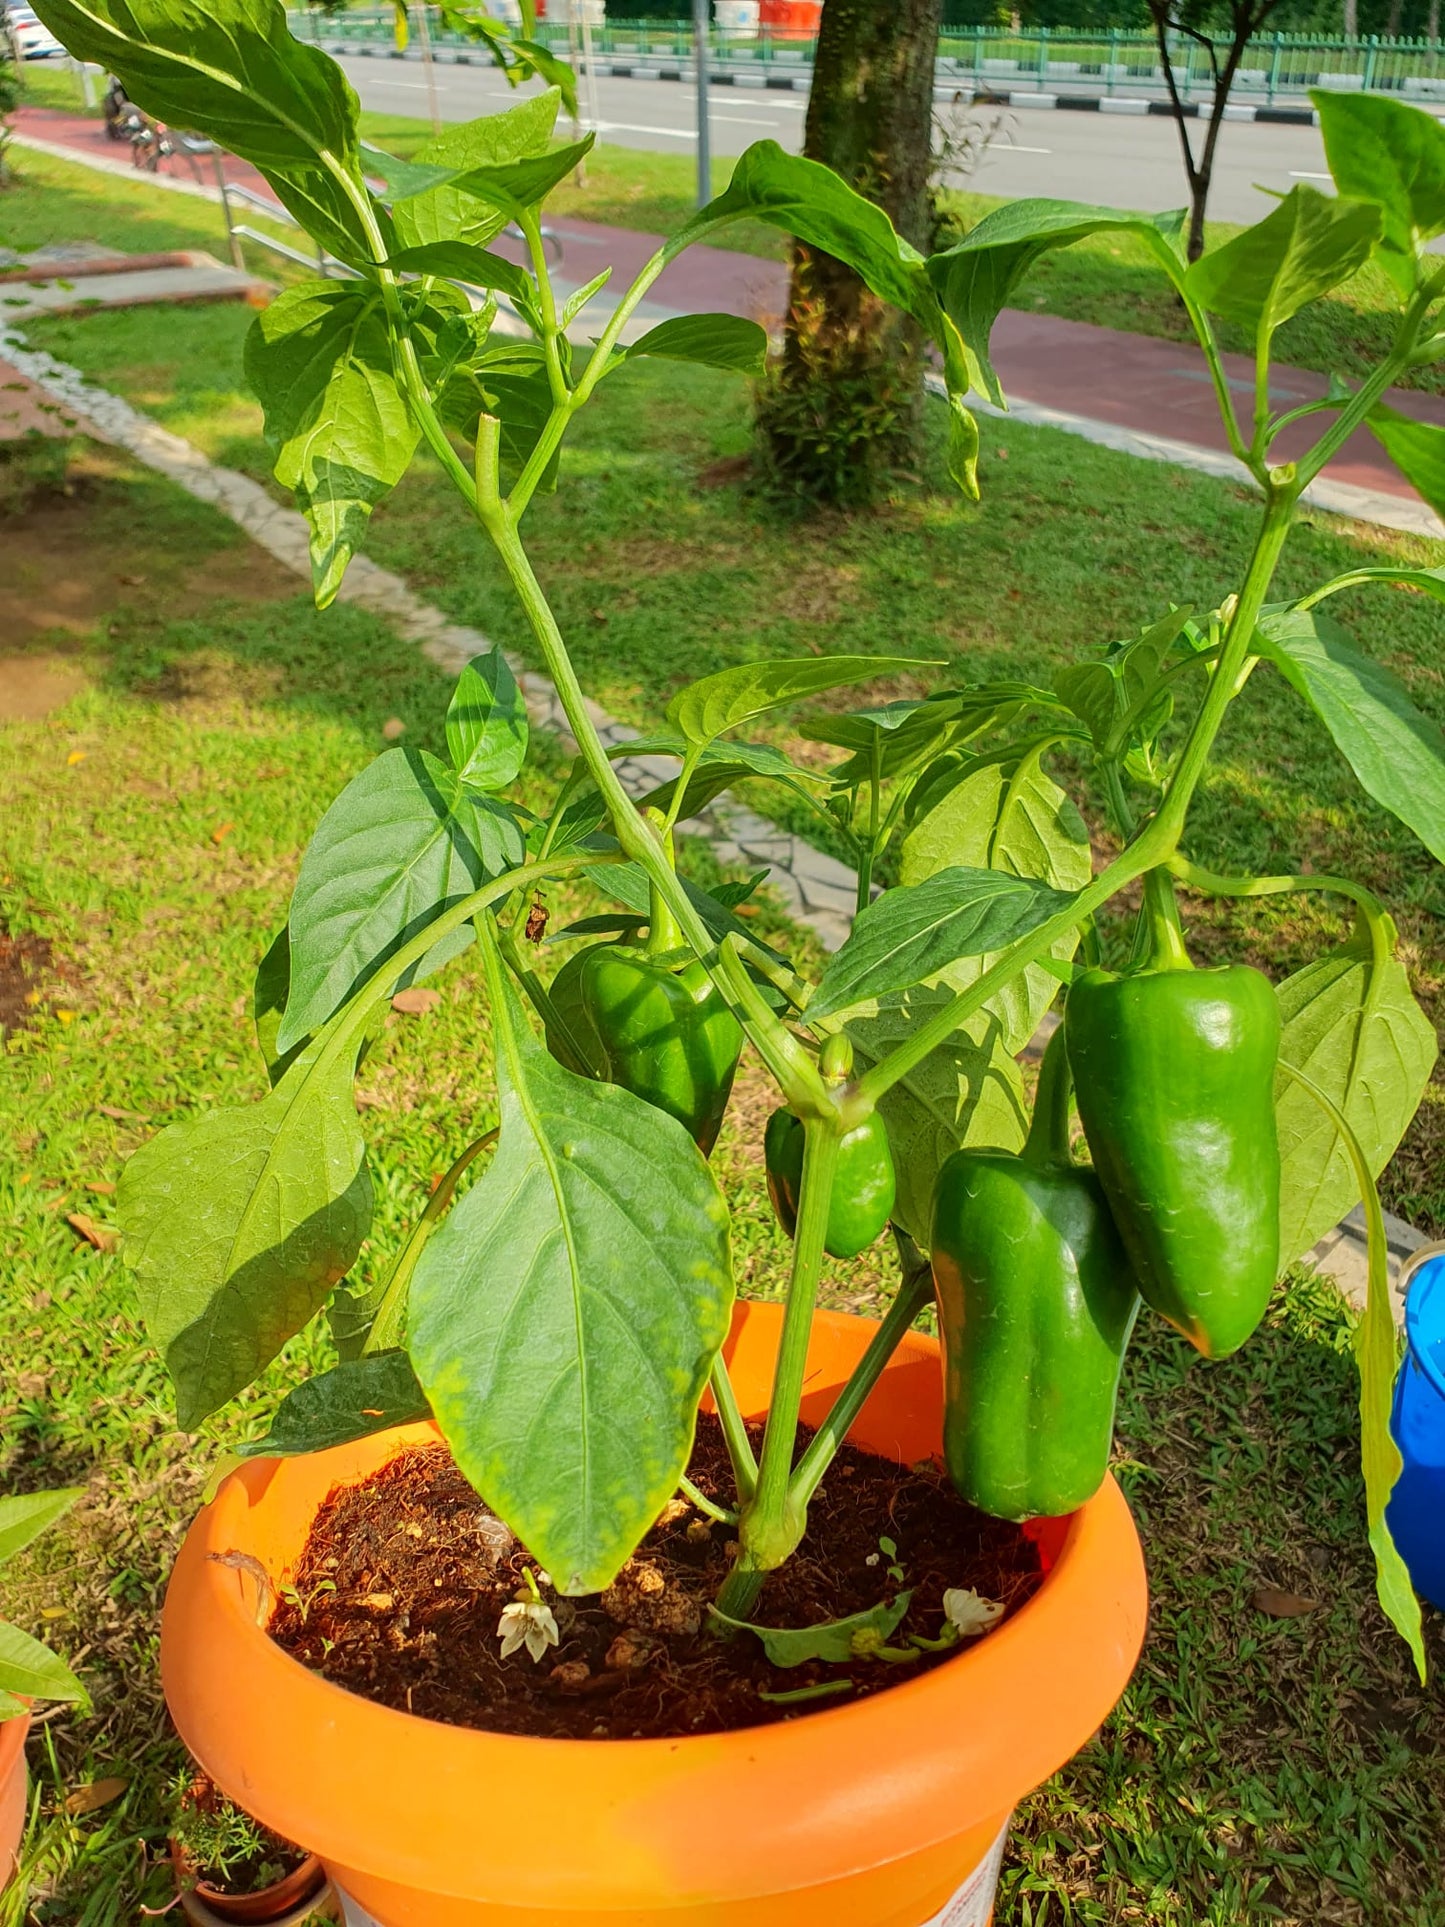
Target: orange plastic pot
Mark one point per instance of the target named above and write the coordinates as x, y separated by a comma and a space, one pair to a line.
12, 1791
791, 19
876, 1814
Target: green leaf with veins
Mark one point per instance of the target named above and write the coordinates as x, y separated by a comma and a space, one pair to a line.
448, 212
1308, 245
1111, 694
1416, 448
911, 933
336, 1407
711, 340
1397, 753
232, 71
463, 261
1352, 1025
1384, 151
25, 1515
238, 1222
1009, 816
516, 187
487, 723
834, 1642
716, 704
565, 1318
974, 280
628, 883
403, 840
968, 1090
320, 361
31, 1671
808, 201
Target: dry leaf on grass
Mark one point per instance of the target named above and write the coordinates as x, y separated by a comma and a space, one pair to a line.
99, 1235
1282, 1605
100, 1793
413, 1002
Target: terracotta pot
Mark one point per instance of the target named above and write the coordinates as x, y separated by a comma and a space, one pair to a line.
12, 1791
890, 1812
285, 1903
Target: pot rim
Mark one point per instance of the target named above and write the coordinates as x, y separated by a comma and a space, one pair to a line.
886, 1775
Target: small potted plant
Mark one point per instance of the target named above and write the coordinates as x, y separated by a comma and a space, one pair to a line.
553, 1487
229, 1868
28, 1670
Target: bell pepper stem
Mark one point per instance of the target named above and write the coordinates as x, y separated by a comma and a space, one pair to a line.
1210, 883
1167, 948
388, 1327
704, 1504
915, 1291
1048, 1138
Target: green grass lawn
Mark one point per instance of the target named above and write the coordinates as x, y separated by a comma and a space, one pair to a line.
1259, 1769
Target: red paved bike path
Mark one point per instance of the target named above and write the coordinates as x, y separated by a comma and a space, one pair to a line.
1130, 381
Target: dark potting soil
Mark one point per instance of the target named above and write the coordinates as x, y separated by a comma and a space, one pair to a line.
404, 1578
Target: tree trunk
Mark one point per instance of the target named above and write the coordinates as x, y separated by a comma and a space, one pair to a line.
1352, 19
1432, 23
1393, 18
841, 412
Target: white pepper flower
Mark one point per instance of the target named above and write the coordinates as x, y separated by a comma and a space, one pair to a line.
968, 1614
528, 1622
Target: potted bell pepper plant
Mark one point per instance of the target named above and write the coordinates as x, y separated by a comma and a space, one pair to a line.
550, 1333
29, 1671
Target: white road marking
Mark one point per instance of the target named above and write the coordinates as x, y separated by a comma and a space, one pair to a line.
1295, 174
633, 127
742, 120
1012, 147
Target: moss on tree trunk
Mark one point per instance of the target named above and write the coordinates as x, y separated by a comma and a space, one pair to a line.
841, 410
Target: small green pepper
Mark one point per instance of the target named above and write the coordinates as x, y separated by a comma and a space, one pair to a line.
1036, 1302
1175, 1069
664, 1032
863, 1183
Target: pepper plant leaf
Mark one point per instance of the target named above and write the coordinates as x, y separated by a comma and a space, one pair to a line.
1352, 1025
835, 1641
974, 279
913, 932
808, 201
712, 340
1397, 753
25, 1515
464, 261
966, 1091
1384, 151
716, 704
269, 992
351, 1401
320, 361
1309, 244
1416, 448
448, 211
404, 839
232, 71
238, 1222
1430, 582
1009, 816
31, 1671
487, 723
565, 1317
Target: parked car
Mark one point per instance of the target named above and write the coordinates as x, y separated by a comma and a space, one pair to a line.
31, 39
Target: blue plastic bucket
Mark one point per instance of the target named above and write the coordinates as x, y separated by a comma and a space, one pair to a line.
1416, 1513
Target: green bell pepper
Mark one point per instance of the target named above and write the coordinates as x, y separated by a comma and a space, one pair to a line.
1036, 1302
664, 1033
864, 1185
1175, 1071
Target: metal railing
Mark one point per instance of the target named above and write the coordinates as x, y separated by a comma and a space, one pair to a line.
1115, 62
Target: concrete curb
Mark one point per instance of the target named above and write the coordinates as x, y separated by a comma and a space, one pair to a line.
816, 889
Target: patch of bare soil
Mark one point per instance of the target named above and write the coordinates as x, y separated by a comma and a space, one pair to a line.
27, 968
32, 686
404, 1579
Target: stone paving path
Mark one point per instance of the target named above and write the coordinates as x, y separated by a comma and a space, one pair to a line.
1135, 393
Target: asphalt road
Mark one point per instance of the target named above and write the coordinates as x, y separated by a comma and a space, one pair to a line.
1114, 160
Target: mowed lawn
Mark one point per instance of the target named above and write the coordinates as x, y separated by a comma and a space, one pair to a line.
1259, 1769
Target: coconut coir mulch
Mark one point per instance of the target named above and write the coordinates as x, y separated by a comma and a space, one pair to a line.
404, 1578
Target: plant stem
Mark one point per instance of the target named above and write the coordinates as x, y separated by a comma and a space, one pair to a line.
388, 1326
704, 1504
1210, 883
772, 1521
913, 1294
735, 1433
1167, 949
